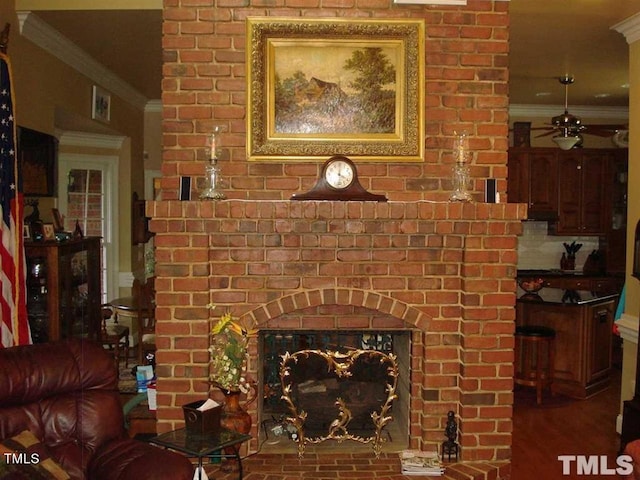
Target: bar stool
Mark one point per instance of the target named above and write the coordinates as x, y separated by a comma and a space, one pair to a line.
531, 368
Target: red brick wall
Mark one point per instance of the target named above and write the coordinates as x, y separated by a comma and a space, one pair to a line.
445, 270
204, 85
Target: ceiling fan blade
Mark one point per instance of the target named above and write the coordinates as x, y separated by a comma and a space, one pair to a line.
538, 128
598, 133
604, 130
546, 134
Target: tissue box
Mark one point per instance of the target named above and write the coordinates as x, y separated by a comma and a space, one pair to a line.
199, 422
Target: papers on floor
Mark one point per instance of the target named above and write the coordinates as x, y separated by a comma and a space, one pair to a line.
415, 462
208, 405
144, 375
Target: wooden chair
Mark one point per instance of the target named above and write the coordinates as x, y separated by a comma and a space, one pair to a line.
144, 298
114, 335
531, 367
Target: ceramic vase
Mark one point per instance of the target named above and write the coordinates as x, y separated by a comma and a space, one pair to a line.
234, 416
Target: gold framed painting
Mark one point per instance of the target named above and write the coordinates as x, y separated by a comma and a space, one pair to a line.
353, 87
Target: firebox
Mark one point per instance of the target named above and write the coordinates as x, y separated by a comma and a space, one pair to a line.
317, 392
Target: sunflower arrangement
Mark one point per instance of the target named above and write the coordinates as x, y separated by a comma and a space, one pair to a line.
228, 353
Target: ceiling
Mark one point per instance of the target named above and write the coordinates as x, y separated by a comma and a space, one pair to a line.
549, 38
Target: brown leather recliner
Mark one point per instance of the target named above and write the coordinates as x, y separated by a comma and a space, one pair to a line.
66, 394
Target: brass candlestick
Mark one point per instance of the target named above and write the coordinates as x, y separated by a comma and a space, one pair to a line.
211, 189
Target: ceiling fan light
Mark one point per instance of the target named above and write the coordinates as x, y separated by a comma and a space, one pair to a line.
566, 143
566, 120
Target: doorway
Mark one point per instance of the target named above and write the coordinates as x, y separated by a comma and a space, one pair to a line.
86, 199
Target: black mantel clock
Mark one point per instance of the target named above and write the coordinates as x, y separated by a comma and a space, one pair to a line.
339, 181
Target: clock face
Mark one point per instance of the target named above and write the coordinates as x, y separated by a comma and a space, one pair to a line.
339, 174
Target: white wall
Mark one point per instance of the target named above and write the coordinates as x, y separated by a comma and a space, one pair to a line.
539, 250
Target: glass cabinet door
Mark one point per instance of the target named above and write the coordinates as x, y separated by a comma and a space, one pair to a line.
64, 288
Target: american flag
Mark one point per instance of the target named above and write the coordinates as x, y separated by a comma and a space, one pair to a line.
14, 324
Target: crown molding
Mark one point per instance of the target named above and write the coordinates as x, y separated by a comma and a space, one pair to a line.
629, 27
91, 140
53, 42
546, 111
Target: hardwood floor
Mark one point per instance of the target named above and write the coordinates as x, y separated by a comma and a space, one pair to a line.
562, 426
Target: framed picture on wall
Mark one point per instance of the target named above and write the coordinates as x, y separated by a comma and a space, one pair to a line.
101, 105
37, 157
320, 87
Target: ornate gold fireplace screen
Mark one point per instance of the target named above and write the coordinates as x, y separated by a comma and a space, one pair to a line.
356, 376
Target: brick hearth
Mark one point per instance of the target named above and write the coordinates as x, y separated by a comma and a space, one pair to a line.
334, 466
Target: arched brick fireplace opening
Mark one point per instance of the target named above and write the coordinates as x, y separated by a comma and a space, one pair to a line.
331, 311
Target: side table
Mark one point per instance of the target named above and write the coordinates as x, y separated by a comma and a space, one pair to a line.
202, 446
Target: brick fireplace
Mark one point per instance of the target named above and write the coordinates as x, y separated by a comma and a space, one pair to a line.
443, 271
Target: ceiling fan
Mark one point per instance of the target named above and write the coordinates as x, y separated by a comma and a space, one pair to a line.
569, 128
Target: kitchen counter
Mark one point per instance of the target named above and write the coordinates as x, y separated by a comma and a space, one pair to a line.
583, 322
573, 280
550, 272
560, 296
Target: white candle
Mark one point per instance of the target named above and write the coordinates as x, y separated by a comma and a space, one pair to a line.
213, 147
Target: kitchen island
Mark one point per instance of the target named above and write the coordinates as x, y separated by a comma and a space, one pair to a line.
583, 321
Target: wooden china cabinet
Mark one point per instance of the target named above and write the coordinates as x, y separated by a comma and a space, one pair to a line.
64, 288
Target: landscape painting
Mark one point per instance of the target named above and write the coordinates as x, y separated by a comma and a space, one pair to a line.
332, 88
317, 88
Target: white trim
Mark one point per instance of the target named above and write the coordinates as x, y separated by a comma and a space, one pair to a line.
629, 27
93, 140
619, 424
153, 106
52, 41
628, 327
109, 165
545, 111
125, 279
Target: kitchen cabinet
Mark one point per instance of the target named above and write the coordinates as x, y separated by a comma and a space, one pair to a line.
616, 237
582, 192
583, 324
603, 285
578, 191
64, 288
533, 179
